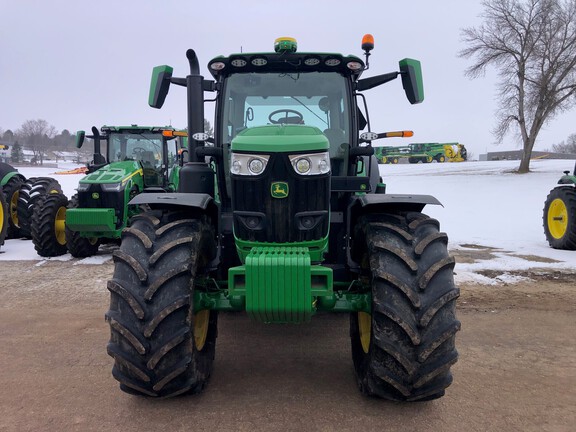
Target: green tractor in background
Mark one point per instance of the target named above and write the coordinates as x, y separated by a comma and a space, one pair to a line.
138, 159
11, 182
283, 215
560, 213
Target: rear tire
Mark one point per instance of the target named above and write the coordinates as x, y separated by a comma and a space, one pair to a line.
11, 193
404, 349
31, 192
161, 348
47, 228
3, 218
559, 218
80, 247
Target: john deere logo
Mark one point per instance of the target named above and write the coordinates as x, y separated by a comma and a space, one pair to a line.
279, 189
95, 195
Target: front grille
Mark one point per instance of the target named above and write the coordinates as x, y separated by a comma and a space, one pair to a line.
260, 217
95, 197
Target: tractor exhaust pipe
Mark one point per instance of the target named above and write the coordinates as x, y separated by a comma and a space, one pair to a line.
196, 176
96, 134
195, 104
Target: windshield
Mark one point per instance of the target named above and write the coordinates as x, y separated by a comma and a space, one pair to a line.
145, 147
310, 98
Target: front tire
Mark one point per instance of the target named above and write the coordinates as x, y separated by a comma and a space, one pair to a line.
80, 247
160, 346
560, 218
404, 349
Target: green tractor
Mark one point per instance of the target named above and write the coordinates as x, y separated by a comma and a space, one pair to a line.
439, 152
560, 213
11, 182
138, 159
283, 215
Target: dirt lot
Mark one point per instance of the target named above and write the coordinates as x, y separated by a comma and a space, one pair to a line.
517, 367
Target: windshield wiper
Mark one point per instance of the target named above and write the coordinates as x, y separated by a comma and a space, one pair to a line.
306, 106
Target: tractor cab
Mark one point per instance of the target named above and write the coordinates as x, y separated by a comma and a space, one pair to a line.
156, 150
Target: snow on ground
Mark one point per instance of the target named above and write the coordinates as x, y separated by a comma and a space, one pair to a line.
486, 206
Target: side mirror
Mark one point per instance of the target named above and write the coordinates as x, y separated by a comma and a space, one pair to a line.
411, 72
80, 135
159, 85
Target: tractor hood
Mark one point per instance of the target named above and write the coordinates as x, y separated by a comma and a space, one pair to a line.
280, 138
115, 172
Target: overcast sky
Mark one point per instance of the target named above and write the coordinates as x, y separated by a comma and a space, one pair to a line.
80, 63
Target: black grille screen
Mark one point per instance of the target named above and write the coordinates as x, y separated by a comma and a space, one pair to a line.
96, 198
277, 217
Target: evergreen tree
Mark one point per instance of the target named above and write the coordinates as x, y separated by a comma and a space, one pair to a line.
17, 154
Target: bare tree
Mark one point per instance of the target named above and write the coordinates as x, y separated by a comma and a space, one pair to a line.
36, 136
532, 44
568, 146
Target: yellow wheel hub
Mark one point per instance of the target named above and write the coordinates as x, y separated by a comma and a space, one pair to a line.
1, 216
201, 321
557, 218
59, 226
364, 330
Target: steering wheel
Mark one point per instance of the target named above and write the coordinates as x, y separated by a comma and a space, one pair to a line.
283, 120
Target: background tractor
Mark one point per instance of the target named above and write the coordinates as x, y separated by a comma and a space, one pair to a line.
560, 213
283, 215
10, 183
138, 159
422, 152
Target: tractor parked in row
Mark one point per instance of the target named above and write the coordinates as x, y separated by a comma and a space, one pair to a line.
422, 152
559, 216
10, 183
138, 159
282, 214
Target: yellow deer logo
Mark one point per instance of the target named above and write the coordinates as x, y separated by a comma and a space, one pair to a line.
279, 189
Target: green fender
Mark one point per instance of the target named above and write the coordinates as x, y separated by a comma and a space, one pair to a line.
159, 200
7, 175
370, 202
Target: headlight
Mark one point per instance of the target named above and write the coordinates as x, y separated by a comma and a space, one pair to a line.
302, 165
248, 164
112, 187
311, 164
256, 166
